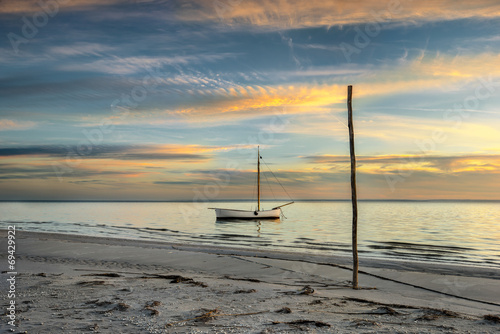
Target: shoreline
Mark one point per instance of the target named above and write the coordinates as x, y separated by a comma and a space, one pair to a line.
461, 269
246, 287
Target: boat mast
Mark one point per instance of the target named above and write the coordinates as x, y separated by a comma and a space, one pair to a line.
258, 178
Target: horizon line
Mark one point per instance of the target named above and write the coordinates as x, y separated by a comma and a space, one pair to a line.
249, 200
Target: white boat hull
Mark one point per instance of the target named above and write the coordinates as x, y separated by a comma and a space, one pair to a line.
245, 214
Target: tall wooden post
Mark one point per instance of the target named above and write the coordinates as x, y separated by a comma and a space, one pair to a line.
353, 193
258, 178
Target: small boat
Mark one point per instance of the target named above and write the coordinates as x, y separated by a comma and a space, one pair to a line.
274, 213
247, 214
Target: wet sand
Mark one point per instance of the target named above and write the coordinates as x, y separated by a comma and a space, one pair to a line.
78, 284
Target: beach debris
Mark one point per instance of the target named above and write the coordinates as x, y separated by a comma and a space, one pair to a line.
119, 307
253, 280
364, 323
371, 302
103, 303
298, 323
107, 271
493, 318
316, 302
205, 316
433, 314
386, 310
212, 314
446, 313
307, 290
284, 310
150, 307
94, 327
152, 310
245, 291
359, 300
379, 311
96, 302
104, 275
122, 307
41, 274
154, 303
91, 283
176, 279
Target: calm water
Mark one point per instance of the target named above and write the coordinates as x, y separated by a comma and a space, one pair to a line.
463, 232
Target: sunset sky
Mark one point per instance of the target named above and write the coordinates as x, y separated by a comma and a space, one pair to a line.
168, 100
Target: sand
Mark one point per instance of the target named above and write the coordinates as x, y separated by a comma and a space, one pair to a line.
78, 284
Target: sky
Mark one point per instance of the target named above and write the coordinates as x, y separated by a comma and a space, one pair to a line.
168, 100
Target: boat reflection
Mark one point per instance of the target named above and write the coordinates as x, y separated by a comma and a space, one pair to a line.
247, 222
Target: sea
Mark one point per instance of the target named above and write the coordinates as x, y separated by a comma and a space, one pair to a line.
458, 232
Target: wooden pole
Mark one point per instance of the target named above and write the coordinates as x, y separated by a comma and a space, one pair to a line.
353, 193
258, 178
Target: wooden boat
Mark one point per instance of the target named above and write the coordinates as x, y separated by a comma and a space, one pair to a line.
246, 214
274, 213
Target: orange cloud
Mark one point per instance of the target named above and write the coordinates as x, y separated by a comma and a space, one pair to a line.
288, 14
326, 176
148, 162
426, 72
8, 124
32, 6
300, 95
410, 163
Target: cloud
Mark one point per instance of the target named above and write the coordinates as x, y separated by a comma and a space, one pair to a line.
384, 164
456, 66
169, 183
248, 98
374, 182
112, 164
324, 47
293, 14
246, 101
80, 49
116, 152
410, 176
294, 90
15, 125
23, 171
285, 14
178, 152
140, 64
437, 130
327, 176
33, 6
161, 156
105, 161
33, 150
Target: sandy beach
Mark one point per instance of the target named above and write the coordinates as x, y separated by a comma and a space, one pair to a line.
78, 284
